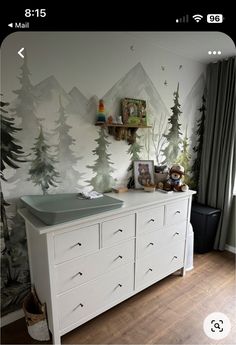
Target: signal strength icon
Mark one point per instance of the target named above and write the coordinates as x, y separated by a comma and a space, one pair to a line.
197, 17
184, 19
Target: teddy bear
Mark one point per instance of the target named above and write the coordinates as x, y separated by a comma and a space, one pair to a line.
174, 181
144, 177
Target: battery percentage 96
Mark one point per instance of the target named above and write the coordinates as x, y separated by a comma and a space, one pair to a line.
215, 18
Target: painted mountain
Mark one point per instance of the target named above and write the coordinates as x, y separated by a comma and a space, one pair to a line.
75, 103
78, 103
137, 84
48, 88
48, 91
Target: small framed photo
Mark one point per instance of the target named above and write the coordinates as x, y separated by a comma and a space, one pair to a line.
143, 173
134, 111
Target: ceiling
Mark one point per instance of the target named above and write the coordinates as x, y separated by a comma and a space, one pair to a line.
192, 45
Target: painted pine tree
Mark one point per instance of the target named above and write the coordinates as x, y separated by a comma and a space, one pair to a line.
11, 154
184, 159
70, 177
102, 181
42, 171
15, 280
134, 151
171, 151
24, 107
198, 147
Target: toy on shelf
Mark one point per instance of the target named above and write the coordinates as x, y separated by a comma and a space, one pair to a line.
119, 120
174, 181
110, 120
101, 116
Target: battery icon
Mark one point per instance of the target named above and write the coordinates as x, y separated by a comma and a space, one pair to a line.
215, 18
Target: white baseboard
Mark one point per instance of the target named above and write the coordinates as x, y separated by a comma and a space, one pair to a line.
11, 317
230, 248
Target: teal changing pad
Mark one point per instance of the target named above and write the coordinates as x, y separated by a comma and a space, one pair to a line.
58, 208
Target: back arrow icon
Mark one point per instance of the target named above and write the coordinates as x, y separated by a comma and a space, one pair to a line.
20, 53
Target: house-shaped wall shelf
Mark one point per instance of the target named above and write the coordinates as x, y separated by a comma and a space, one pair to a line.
122, 132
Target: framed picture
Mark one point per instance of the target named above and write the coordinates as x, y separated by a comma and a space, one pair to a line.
134, 111
143, 173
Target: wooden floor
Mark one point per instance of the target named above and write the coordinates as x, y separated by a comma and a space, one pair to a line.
169, 312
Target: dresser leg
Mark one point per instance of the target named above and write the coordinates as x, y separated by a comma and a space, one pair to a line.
56, 339
182, 271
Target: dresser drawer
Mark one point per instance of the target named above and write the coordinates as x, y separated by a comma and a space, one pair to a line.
118, 229
176, 212
175, 233
149, 243
154, 267
78, 271
76, 243
89, 298
150, 220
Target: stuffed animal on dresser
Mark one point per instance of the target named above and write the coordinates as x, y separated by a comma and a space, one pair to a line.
174, 181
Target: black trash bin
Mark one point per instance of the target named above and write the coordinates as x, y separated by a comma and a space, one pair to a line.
204, 220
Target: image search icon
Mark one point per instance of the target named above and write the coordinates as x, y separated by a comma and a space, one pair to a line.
217, 325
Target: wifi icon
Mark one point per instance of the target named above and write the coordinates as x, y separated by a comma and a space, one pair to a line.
197, 17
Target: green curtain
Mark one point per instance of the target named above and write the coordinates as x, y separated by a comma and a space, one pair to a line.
218, 162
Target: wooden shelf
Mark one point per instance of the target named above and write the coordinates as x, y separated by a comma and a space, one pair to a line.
122, 132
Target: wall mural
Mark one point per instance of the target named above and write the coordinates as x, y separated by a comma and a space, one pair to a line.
44, 131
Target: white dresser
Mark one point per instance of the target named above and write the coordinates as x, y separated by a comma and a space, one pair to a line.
83, 267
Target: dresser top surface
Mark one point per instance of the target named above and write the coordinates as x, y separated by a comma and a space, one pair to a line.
133, 200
